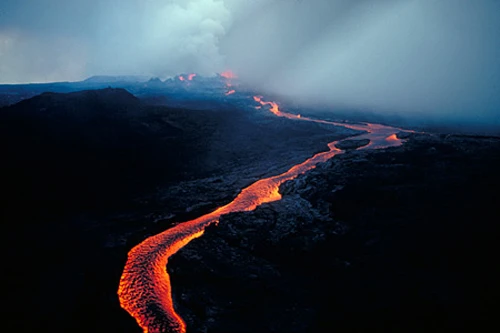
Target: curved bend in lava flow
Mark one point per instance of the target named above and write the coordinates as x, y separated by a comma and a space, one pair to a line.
145, 290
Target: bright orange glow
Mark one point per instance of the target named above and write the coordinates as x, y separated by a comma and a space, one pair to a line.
181, 78
145, 290
148, 284
228, 75
191, 77
380, 136
274, 108
392, 137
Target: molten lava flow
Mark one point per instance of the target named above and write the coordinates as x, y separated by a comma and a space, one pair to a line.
181, 78
392, 137
274, 108
191, 77
145, 290
380, 136
228, 75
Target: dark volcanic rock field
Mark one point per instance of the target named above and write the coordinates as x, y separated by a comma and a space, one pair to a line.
88, 175
395, 240
399, 240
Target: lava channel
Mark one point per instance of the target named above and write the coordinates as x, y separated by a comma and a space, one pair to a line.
145, 290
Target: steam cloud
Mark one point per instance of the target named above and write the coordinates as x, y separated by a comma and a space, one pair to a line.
127, 37
169, 37
420, 58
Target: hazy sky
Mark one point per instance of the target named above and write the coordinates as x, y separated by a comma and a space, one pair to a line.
428, 57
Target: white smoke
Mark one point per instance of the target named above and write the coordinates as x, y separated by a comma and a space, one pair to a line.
429, 59
163, 37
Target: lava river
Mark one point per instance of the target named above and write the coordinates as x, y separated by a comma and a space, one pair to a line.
145, 290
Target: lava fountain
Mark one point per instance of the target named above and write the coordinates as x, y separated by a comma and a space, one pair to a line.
145, 290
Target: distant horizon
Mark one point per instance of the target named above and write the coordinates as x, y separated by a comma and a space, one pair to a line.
143, 78
465, 123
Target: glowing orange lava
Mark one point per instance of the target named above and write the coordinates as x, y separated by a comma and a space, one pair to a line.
191, 77
228, 75
392, 137
145, 290
274, 108
181, 78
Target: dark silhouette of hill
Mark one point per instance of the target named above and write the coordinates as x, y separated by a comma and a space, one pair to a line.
173, 88
89, 144
98, 147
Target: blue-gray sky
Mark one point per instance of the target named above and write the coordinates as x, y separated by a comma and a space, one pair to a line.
436, 58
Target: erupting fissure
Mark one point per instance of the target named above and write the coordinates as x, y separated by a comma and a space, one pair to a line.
189, 77
229, 76
145, 290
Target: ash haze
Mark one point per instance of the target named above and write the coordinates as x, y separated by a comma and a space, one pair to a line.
431, 59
